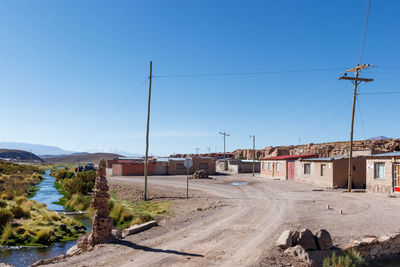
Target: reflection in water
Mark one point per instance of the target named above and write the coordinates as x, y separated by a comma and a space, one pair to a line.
24, 256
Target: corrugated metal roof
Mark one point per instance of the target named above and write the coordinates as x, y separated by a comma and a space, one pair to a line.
287, 157
389, 154
249, 160
326, 158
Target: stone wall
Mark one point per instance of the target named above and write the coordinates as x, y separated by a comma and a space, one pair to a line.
372, 248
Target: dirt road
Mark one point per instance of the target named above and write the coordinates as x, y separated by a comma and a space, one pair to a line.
238, 225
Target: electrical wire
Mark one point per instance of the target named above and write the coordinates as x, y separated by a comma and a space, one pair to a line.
243, 73
341, 110
364, 35
361, 118
380, 93
111, 114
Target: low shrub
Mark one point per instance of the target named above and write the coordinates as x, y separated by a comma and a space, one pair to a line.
20, 212
44, 235
349, 258
7, 195
19, 200
3, 203
78, 202
8, 235
5, 217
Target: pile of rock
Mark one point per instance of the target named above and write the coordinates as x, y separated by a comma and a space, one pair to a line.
296, 243
371, 247
200, 174
102, 222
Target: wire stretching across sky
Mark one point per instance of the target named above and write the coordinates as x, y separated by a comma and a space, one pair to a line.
244, 73
364, 34
134, 91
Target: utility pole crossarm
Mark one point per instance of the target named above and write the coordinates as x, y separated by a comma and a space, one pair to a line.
356, 79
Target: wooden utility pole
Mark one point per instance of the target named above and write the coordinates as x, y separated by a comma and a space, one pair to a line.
356, 81
197, 150
147, 135
225, 135
254, 151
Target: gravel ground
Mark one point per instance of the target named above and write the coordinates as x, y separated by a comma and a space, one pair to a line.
222, 224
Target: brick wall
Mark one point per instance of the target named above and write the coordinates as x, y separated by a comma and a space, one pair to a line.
126, 169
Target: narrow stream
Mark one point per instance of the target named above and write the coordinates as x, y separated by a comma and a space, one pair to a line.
24, 256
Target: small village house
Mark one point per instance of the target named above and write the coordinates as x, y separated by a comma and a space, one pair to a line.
176, 166
130, 166
281, 167
331, 171
383, 173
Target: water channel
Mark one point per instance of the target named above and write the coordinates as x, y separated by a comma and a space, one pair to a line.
24, 256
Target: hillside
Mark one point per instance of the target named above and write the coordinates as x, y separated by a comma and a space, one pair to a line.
90, 157
37, 149
19, 155
330, 149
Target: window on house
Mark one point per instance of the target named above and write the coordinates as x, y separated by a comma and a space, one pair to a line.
277, 167
203, 166
323, 169
270, 166
180, 166
307, 168
263, 165
379, 170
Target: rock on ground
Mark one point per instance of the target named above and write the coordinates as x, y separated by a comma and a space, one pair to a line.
306, 239
323, 239
285, 239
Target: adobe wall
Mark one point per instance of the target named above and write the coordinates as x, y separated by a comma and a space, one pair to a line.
273, 174
314, 177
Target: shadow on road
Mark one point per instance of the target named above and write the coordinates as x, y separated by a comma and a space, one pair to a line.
157, 250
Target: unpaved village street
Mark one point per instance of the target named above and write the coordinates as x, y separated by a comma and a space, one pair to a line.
238, 225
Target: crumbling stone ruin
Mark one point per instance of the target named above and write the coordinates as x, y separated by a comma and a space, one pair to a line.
323, 150
102, 222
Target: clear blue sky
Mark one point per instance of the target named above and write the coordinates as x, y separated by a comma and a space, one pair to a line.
66, 65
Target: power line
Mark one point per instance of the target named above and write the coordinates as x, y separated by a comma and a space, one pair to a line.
364, 35
380, 93
361, 118
242, 73
111, 114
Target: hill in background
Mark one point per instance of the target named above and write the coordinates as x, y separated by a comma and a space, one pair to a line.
19, 155
82, 158
35, 148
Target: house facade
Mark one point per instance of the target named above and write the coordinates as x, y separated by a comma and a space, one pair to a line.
176, 166
383, 173
330, 172
280, 167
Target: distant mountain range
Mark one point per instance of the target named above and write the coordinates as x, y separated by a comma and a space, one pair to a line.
380, 138
82, 158
36, 148
45, 151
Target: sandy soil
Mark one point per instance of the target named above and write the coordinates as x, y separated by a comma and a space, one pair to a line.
238, 225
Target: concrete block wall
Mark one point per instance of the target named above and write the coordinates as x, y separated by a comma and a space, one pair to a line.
314, 177
382, 186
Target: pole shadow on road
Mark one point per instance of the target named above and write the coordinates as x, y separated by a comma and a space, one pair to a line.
157, 250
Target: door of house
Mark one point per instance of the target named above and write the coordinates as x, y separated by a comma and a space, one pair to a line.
396, 177
290, 170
